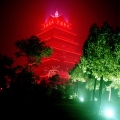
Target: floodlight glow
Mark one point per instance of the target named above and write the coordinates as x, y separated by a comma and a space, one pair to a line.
95, 99
109, 113
81, 99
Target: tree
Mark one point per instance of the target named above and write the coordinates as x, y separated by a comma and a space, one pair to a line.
99, 54
54, 80
23, 81
80, 74
34, 49
116, 49
5, 70
77, 74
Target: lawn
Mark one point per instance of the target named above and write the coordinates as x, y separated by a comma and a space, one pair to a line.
42, 109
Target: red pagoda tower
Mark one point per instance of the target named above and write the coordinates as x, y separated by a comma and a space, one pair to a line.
57, 34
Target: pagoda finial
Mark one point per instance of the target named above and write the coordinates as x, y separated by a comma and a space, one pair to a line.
56, 13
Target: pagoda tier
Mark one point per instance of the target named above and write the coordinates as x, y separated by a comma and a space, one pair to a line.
57, 34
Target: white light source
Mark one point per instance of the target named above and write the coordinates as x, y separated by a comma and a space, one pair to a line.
81, 99
95, 99
109, 113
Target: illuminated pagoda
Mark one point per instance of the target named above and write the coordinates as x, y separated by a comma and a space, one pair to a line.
56, 32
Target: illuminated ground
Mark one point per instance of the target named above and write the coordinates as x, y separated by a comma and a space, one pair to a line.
46, 109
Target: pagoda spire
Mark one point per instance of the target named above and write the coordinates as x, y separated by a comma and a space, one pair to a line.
56, 13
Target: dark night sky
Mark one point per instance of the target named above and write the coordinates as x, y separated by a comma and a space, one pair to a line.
23, 18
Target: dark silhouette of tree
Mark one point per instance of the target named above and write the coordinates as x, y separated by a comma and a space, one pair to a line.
53, 85
54, 80
34, 49
23, 82
5, 70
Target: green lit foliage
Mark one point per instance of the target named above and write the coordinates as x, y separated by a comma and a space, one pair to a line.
77, 74
101, 57
97, 51
74, 73
33, 48
101, 54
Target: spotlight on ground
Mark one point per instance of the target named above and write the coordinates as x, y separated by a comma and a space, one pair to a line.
81, 99
109, 112
96, 99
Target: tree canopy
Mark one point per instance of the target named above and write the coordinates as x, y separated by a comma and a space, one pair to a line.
101, 55
101, 52
33, 48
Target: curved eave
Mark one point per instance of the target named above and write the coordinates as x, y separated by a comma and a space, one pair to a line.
45, 30
67, 51
65, 40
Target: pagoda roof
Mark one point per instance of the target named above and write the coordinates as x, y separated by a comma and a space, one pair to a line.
57, 20
56, 17
60, 18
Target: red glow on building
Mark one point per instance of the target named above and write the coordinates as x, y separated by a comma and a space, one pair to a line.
57, 33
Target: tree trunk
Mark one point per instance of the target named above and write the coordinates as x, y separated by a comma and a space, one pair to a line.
93, 97
100, 94
77, 89
30, 64
109, 94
